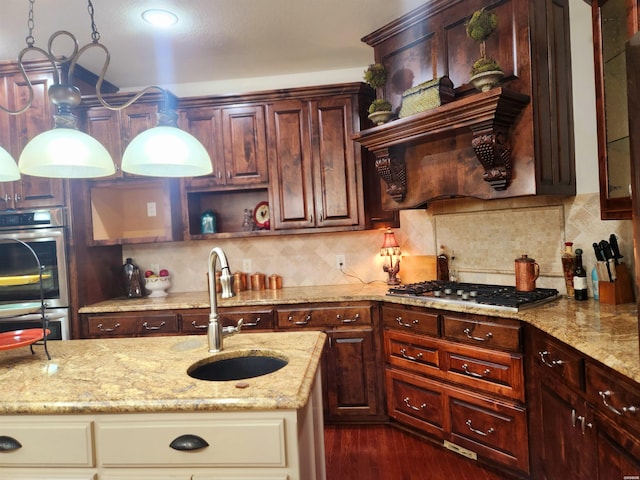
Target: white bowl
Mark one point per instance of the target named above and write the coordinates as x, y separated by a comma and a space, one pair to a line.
157, 286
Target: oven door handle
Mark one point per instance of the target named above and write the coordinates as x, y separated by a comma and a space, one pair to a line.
36, 316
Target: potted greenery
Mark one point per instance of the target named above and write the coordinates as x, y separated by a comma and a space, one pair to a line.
485, 72
380, 109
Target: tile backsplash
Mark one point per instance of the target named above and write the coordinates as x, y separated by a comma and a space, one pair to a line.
485, 236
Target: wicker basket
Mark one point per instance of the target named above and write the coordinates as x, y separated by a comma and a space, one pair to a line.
427, 95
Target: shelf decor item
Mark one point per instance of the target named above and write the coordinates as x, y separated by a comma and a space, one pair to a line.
426, 96
390, 249
485, 72
380, 109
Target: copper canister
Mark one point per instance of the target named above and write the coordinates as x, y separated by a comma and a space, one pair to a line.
527, 271
240, 281
258, 281
275, 282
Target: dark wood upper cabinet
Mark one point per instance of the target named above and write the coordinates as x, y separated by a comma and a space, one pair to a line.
514, 140
614, 22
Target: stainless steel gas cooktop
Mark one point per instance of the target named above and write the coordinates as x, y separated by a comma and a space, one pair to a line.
496, 297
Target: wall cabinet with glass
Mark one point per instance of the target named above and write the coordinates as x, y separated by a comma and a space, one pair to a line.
614, 22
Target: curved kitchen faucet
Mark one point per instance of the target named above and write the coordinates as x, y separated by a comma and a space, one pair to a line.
216, 331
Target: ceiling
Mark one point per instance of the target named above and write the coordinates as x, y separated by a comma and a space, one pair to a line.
214, 40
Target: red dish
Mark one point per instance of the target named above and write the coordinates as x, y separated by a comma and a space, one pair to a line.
20, 338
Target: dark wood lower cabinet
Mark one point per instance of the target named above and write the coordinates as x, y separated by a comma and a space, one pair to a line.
583, 416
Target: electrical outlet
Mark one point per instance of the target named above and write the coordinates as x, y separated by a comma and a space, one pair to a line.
246, 265
151, 209
340, 262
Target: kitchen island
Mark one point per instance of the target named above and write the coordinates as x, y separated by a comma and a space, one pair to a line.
112, 407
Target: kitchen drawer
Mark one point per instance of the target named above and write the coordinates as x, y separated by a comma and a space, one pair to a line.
45, 443
198, 322
415, 401
312, 317
132, 325
495, 430
558, 359
491, 371
411, 320
619, 397
483, 332
232, 443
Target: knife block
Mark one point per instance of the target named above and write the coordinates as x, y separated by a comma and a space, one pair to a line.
617, 292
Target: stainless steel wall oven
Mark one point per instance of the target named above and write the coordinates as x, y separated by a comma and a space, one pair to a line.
44, 231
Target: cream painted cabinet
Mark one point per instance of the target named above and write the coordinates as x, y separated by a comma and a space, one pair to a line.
265, 445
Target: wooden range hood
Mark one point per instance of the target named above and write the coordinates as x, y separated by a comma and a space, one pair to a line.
513, 140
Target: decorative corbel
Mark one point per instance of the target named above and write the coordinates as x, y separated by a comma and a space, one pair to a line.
493, 150
391, 167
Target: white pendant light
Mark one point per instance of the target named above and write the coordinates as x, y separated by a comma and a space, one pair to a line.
8, 168
166, 151
65, 153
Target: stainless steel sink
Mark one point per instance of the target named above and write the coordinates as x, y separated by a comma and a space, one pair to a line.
241, 366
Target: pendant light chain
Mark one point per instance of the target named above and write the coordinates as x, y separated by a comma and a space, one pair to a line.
95, 35
30, 25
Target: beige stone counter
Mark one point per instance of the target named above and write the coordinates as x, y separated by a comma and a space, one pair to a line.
149, 375
606, 333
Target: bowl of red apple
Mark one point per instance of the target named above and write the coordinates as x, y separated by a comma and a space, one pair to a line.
157, 284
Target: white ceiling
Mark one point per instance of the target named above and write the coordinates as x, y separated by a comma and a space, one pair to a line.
214, 40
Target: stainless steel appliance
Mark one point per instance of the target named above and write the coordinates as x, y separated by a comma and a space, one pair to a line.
496, 297
44, 231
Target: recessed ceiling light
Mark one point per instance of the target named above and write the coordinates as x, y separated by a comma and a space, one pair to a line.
160, 18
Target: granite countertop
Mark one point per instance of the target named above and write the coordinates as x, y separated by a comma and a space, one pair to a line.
607, 333
149, 375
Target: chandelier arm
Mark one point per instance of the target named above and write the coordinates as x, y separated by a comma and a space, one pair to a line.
23, 72
105, 66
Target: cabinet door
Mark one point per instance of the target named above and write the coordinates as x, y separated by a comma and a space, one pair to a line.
103, 124
567, 452
290, 172
337, 175
351, 375
31, 192
204, 124
245, 145
618, 451
134, 120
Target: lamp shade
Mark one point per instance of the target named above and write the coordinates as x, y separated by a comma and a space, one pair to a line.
65, 153
8, 167
166, 151
390, 245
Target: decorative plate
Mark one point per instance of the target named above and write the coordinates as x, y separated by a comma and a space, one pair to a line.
261, 215
22, 279
21, 338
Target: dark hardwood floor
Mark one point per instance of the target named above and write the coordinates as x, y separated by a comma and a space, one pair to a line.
381, 452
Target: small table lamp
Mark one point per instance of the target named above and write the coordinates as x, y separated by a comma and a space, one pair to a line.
390, 248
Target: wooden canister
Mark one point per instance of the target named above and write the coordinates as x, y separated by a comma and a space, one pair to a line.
258, 281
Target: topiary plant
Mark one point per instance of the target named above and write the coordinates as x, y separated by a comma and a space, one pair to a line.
380, 105
479, 27
376, 75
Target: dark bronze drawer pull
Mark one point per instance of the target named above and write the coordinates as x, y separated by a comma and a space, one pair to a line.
348, 320
480, 432
253, 324
146, 326
403, 352
413, 407
465, 367
606, 395
552, 363
488, 336
112, 329
407, 325
189, 442
194, 324
8, 444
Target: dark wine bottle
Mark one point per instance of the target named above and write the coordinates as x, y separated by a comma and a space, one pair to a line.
579, 278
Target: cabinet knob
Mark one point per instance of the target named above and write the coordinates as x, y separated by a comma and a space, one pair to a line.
188, 442
17, 197
8, 444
